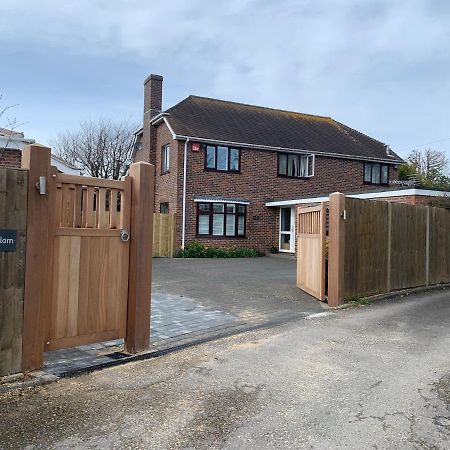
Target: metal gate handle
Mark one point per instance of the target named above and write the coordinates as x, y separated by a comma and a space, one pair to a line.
124, 235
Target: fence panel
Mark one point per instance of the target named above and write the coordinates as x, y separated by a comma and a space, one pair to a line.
163, 235
366, 235
408, 246
13, 209
439, 246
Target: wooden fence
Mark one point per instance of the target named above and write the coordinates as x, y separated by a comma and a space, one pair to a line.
13, 207
164, 228
377, 247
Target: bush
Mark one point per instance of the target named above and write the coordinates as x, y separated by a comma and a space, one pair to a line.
197, 250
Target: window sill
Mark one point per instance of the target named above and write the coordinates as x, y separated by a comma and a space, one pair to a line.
217, 238
222, 171
294, 178
375, 184
165, 173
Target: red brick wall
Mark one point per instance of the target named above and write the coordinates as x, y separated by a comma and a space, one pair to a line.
10, 158
257, 183
411, 199
166, 185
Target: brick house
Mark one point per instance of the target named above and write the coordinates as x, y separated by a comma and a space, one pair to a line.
222, 166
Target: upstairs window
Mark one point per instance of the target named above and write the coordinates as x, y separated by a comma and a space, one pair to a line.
376, 173
295, 166
164, 208
221, 219
222, 159
165, 159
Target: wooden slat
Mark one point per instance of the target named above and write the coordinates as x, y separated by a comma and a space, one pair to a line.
74, 285
103, 214
126, 205
89, 212
78, 206
83, 290
89, 181
61, 296
114, 219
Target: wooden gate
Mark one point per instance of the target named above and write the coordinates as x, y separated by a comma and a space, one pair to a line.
311, 237
88, 258
89, 267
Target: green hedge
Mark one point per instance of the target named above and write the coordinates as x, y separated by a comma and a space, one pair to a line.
197, 250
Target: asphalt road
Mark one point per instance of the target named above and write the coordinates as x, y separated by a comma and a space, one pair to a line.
376, 377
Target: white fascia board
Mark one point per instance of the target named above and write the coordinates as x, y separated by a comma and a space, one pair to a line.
174, 136
299, 201
284, 149
365, 195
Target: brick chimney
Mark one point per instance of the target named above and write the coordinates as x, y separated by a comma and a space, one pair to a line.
152, 107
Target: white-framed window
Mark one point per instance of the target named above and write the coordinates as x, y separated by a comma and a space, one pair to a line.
292, 165
165, 159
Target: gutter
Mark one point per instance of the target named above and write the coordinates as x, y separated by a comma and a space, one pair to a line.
183, 231
283, 149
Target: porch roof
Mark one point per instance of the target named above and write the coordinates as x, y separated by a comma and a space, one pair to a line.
363, 195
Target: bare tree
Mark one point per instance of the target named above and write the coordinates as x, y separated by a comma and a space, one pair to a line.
102, 149
431, 165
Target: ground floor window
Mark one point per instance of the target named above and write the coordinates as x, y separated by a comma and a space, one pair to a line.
221, 219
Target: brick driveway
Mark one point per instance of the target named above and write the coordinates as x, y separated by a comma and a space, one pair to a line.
192, 297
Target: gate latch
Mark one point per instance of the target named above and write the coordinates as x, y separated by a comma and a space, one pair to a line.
124, 235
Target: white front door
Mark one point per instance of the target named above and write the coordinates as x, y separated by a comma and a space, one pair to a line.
287, 230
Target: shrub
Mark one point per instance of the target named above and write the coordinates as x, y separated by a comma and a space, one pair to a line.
197, 250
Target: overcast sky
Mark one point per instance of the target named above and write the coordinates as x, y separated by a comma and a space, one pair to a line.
382, 67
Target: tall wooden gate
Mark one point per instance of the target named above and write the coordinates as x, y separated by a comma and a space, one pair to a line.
311, 238
89, 256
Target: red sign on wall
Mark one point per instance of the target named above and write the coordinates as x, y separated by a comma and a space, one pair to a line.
195, 147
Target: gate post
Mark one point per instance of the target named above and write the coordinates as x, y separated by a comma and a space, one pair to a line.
36, 158
336, 250
142, 176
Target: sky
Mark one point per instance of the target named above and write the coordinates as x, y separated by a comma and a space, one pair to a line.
381, 67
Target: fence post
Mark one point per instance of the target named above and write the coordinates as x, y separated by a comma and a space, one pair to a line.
36, 159
140, 270
336, 250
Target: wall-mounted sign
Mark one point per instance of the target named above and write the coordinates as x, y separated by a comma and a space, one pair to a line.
195, 147
8, 240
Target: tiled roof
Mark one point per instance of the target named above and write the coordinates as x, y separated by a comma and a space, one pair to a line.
220, 120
